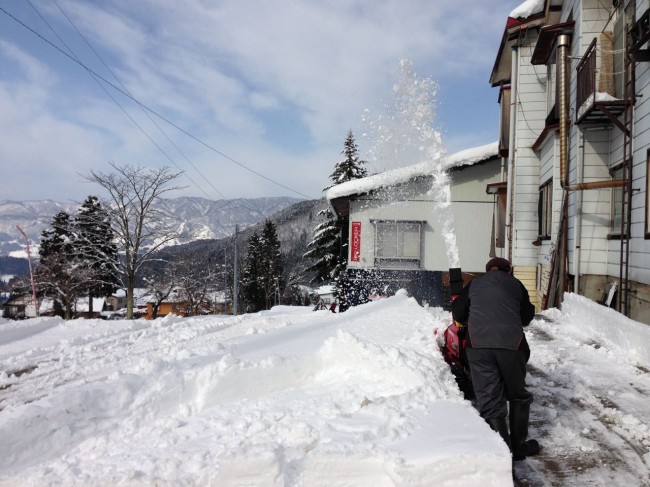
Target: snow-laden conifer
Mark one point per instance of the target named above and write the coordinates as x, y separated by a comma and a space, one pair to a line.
326, 249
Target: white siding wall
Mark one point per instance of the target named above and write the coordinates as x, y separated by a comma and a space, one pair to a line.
639, 245
596, 206
599, 148
550, 168
472, 211
433, 256
603, 151
530, 116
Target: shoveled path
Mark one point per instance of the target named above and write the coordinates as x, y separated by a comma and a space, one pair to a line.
591, 413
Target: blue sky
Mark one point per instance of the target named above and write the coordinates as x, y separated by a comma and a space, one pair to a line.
273, 85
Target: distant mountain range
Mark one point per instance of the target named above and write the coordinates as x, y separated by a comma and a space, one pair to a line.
199, 218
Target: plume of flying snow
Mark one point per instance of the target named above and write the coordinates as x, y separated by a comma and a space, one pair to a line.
407, 135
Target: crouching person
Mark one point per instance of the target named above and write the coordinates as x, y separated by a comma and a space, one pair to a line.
496, 307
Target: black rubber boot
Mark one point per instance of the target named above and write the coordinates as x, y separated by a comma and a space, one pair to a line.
500, 426
521, 446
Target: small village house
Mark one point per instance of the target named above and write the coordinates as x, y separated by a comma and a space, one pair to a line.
394, 230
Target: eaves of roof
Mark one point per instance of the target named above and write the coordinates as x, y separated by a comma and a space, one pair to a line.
514, 29
339, 195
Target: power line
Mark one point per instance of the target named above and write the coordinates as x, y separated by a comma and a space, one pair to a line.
145, 107
226, 201
143, 110
118, 103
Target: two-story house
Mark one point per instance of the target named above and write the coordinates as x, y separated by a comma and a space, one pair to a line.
575, 118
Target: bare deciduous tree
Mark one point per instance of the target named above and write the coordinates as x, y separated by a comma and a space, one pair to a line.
140, 229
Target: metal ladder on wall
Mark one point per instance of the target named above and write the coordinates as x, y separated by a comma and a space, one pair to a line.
626, 190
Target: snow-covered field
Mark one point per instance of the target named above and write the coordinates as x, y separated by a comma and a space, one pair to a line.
293, 397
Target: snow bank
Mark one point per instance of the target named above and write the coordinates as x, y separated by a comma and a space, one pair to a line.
17, 330
287, 397
604, 325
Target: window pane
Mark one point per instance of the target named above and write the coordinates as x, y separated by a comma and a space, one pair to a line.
397, 242
617, 195
410, 241
548, 194
545, 210
386, 240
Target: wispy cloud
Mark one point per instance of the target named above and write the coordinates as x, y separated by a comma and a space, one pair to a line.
275, 85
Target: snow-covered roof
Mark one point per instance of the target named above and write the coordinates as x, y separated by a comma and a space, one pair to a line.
327, 289
120, 293
82, 305
528, 8
393, 177
528, 15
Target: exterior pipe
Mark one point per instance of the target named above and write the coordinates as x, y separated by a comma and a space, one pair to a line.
577, 242
563, 42
511, 149
562, 63
611, 183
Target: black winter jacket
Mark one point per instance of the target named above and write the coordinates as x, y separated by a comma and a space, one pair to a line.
496, 307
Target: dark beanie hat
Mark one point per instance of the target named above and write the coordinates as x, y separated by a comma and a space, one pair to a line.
501, 263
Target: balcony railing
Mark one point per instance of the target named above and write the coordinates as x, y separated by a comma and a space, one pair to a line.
639, 36
595, 104
586, 77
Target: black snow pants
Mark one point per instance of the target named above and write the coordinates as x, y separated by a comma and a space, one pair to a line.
499, 377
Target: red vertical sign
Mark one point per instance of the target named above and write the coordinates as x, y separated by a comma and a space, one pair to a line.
355, 242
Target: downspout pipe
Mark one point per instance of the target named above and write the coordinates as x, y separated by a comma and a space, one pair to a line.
563, 45
577, 241
562, 62
511, 149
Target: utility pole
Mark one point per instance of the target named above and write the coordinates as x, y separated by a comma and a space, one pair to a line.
225, 279
31, 273
235, 286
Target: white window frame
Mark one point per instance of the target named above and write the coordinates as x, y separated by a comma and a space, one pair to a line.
399, 256
545, 210
550, 85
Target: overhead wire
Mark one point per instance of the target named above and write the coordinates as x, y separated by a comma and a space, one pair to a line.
152, 111
118, 103
206, 179
226, 201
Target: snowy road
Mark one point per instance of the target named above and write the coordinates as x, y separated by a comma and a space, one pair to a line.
591, 411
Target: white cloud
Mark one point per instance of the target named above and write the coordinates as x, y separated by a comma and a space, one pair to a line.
233, 73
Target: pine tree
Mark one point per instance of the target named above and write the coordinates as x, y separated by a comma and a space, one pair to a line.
59, 274
78, 257
251, 275
95, 247
351, 167
326, 247
272, 263
262, 276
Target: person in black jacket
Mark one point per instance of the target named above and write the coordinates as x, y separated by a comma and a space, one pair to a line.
496, 307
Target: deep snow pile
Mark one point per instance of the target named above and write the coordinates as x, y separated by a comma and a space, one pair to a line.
287, 397
293, 397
